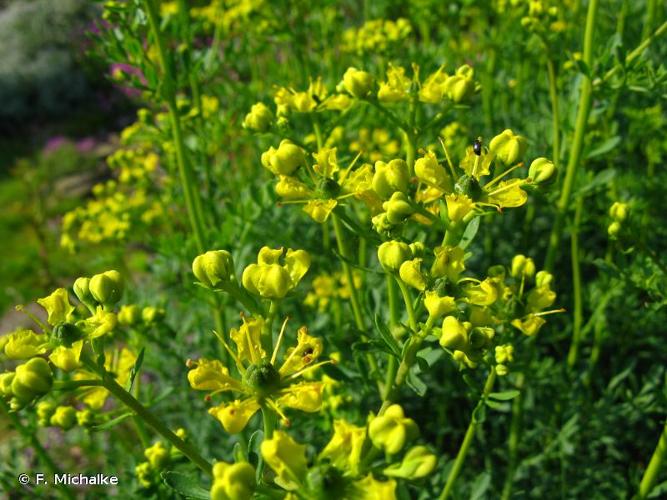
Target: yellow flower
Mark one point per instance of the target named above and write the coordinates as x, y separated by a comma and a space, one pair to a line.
418, 462
233, 481
391, 430
369, 488
57, 306
458, 206
287, 458
269, 279
67, 358
262, 384
396, 87
345, 447
119, 364
24, 344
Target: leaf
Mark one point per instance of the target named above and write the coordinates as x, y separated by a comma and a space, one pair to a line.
415, 383
605, 147
469, 233
481, 486
135, 369
387, 337
505, 395
112, 423
188, 486
504, 407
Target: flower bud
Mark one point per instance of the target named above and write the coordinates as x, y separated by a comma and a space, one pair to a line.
157, 455
410, 273
391, 430
508, 147
82, 291
618, 211
541, 170
458, 207
129, 315
544, 278
6, 380
289, 188
358, 83
461, 85
259, 119
613, 229
429, 171
213, 267
233, 481
504, 353
454, 335
284, 160
64, 417
32, 379
85, 418
418, 462
438, 306
65, 334
522, 266
448, 262
398, 208
107, 287
390, 177
44, 411
463, 360
392, 254
67, 358
151, 315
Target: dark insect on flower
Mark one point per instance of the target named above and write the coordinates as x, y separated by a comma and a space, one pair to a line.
477, 147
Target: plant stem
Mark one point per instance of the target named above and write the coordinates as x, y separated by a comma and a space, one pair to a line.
467, 440
651, 473
577, 140
392, 362
342, 249
555, 113
110, 384
407, 298
576, 284
191, 195
31, 437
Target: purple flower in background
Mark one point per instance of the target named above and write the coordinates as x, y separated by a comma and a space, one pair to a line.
86, 144
54, 143
117, 69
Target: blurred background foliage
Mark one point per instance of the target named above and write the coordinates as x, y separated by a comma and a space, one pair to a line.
588, 428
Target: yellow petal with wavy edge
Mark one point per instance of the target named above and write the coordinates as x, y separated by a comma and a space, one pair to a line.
211, 375
297, 263
287, 458
319, 210
508, 194
306, 396
268, 255
57, 306
345, 447
247, 340
307, 350
369, 488
24, 344
234, 416
67, 358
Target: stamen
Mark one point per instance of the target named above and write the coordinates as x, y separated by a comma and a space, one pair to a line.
449, 161
491, 183
308, 368
279, 341
348, 169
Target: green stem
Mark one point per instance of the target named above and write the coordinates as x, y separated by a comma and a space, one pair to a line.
31, 437
191, 195
407, 298
651, 473
267, 333
635, 53
513, 439
555, 113
578, 138
392, 362
467, 440
347, 269
110, 384
576, 283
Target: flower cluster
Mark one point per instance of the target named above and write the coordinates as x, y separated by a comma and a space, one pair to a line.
376, 36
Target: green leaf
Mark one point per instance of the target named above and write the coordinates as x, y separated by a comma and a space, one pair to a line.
387, 337
505, 395
135, 369
605, 147
188, 486
469, 233
112, 423
504, 407
415, 383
